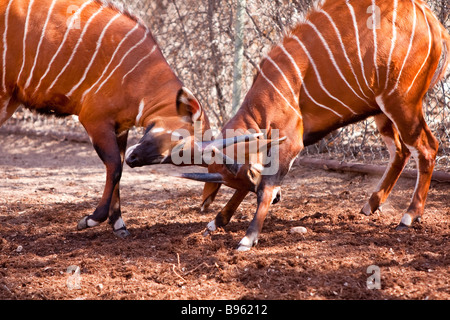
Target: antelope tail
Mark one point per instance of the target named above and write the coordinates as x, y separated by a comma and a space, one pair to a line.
445, 59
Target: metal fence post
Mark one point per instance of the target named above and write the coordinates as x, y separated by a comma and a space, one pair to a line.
238, 55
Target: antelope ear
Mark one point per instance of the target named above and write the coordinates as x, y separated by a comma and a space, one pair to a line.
188, 106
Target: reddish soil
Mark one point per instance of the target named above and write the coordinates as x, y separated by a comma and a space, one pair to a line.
47, 186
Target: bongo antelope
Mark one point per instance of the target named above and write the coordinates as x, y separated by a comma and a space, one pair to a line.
90, 59
348, 60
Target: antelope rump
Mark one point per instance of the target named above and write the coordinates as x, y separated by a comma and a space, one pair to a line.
347, 60
90, 59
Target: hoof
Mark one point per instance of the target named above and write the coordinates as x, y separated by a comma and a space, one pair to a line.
86, 222
211, 227
122, 233
206, 233
407, 221
242, 248
246, 244
401, 226
366, 209
82, 224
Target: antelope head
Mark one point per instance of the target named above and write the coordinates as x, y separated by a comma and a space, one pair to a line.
242, 170
162, 134
179, 139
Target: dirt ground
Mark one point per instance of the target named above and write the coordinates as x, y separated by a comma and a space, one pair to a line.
48, 185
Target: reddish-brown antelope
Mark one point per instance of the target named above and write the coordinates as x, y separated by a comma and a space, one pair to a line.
346, 61
88, 58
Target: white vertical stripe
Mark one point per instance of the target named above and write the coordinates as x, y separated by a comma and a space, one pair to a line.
333, 60
375, 43
295, 98
139, 62
311, 60
72, 20
5, 45
355, 26
50, 10
111, 60
344, 50
409, 48
304, 84
141, 109
25, 31
394, 39
429, 50
123, 59
278, 91
97, 49
74, 51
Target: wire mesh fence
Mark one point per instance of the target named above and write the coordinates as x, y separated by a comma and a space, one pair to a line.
197, 38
